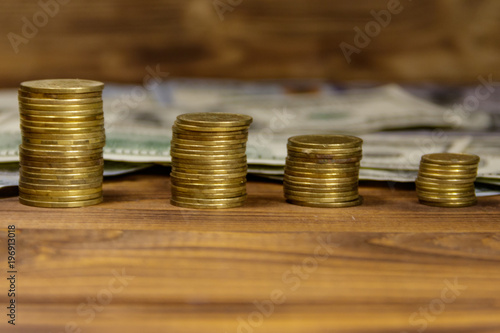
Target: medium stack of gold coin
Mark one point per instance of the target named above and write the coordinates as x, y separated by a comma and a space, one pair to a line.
62, 126
323, 171
447, 180
209, 163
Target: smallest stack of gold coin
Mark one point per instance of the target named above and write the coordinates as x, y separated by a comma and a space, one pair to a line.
447, 180
323, 171
61, 155
209, 164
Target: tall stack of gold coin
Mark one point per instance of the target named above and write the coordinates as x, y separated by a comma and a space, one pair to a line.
323, 170
447, 180
62, 126
209, 163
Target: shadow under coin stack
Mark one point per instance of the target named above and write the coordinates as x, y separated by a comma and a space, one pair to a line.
447, 180
62, 126
209, 164
323, 171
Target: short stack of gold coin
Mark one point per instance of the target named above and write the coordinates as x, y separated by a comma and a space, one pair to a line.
323, 170
61, 154
209, 164
447, 180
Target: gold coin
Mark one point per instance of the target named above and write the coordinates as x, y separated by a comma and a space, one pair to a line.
436, 188
222, 160
449, 204
314, 156
206, 180
206, 206
290, 172
326, 161
62, 119
441, 198
63, 125
201, 183
447, 176
209, 191
99, 134
28, 107
62, 148
321, 186
446, 181
208, 185
61, 165
440, 184
210, 138
325, 141
445, 194
91, 142
61, 199
213, 196
189, 199
332, 199
240, 152
60, 193
62, 86
317, 166
322, 169
60, 159
69, 151
210, 171
214, 119
58, 95
59, 176
352, 203
323, 189
447, 172
177, 146
209, 143
49, 204
202, 167
324, 150
57, 187
60, 130
449, 167
232, 129
63, 113
450, 158
320, 180
313, 195
188, 175
47, 101
44, 181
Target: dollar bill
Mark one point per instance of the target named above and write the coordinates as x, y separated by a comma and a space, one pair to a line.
138, 127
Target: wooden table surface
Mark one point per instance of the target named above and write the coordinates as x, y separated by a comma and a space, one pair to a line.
138, 264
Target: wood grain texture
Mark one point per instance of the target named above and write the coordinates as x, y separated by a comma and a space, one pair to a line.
363, 269
452, 41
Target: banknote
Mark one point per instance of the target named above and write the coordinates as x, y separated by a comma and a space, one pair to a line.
138, 126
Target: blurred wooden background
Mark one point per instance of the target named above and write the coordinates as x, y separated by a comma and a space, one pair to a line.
448, 41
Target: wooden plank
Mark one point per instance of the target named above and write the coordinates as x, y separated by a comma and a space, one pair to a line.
364, 269
443, 41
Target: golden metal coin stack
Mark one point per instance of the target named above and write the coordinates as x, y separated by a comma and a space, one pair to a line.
323, 170
62, 126
209, 163
447, 180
